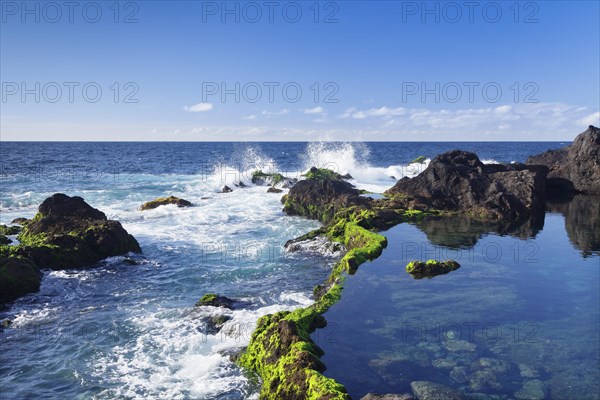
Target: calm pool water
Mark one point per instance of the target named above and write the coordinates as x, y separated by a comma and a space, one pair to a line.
519, 319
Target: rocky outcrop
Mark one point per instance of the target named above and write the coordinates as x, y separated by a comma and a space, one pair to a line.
18, 277
431, 268
69, 233
459, 181
261, 178
321, 198
9, 230
163, 201
575, 168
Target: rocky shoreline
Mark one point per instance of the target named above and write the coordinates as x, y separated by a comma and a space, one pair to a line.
455, 183
68, 233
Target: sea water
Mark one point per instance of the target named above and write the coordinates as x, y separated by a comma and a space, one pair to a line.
128, 328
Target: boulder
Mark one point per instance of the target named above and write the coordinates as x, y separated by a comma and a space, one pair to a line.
69, 233
214, 300
163, 201
458, 181
274, 190
431, 268
321, 198
575, 168
425, 390
18, 277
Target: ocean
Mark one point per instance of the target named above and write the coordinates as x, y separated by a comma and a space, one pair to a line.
128, 328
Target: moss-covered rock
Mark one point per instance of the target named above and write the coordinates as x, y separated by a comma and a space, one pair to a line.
163, 201
4, 240
18, 277
419, 160
9, 230
431, 268
323, 173
214, 300
69, 233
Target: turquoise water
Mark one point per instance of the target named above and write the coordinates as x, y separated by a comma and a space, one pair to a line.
520, 318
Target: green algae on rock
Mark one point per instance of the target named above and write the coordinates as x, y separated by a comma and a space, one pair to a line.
419, 160
9, 230
214, 300
431, 268
163, 201
69, 233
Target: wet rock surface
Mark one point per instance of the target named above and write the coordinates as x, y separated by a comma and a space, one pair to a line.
459, 181
425, 390
575, 168
163, 201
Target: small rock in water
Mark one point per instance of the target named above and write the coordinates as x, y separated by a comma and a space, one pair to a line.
19, 221
5, 323
274, 190
531, 390
214, 300
443, 363
163, 201
425, 390
459, 374
226, 189
528, 371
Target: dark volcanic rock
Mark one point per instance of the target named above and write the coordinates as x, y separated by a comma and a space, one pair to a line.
18, 277
214, 300
162, 201
459, 181
320, 198
274, 190
575, 167
4, 239
226, 189
19, 221
69, 233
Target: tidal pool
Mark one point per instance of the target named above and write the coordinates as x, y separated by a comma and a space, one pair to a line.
520, 318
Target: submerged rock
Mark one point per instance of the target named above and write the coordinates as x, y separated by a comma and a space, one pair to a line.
575, 167
319, 244
163, 201
431, 268
425, 390
69, 233
459, 181
213, 324
532, 390
18, 277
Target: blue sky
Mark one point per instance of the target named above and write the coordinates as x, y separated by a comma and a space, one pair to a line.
384, 70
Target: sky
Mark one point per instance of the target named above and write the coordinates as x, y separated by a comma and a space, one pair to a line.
299, 70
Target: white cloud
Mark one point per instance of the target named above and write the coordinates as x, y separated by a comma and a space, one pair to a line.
284, 111
592, 119
200, 107
250, 117
316, 110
